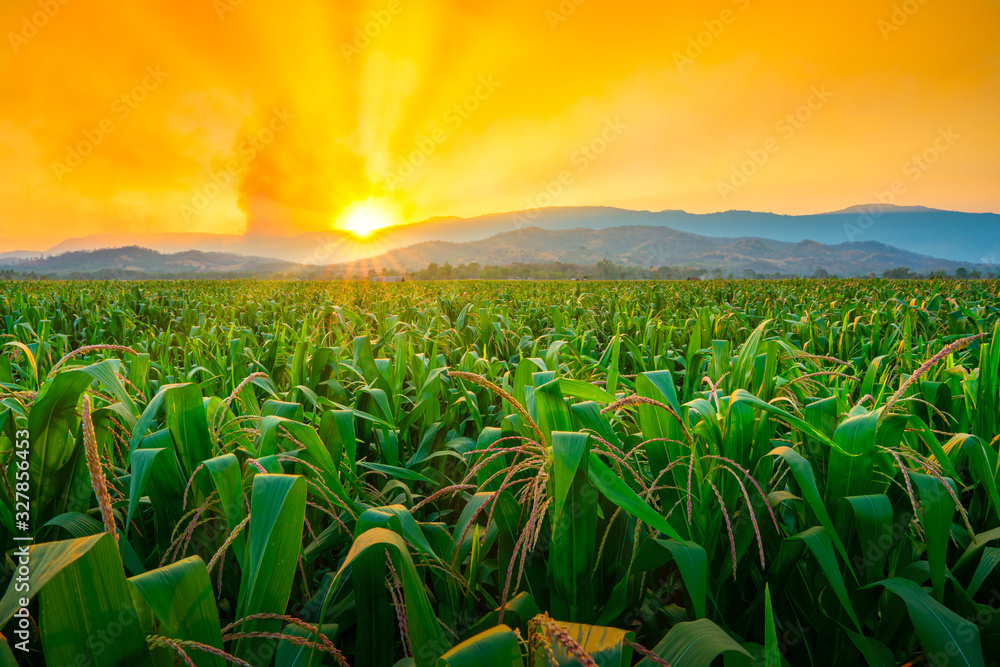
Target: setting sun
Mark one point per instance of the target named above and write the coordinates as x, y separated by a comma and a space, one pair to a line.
363, 218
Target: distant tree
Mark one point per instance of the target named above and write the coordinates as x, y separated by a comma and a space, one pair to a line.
975, 274
898, 273
749, 273
687, 272
961, 273
821, 273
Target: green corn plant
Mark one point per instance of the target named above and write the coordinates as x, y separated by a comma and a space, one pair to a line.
475, 473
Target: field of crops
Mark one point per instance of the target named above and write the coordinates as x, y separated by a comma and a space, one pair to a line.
500, 474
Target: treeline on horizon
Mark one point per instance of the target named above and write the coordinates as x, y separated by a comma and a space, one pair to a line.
607, 270
603, 270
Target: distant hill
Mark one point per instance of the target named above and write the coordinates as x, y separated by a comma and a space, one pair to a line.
962, 237
134, 262
633, 245
645, 246
18, 256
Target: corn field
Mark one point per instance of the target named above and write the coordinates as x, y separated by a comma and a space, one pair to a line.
500, 474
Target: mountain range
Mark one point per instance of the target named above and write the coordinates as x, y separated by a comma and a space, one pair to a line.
972, 238
647, 246
136, 262
642, 246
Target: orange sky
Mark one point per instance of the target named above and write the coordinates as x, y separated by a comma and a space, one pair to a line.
236, 115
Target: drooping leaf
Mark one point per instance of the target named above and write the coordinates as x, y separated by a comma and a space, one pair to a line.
277, 510
693, 644
619, 493
64, 576
180, 597
574, 524
496, 647
607, 646
426, 636
946, 637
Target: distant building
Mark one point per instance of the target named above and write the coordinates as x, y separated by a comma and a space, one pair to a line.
694, 278
388, 279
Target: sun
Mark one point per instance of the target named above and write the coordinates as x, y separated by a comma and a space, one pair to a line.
364, 217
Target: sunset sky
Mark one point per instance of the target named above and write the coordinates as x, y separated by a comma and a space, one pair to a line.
236, 116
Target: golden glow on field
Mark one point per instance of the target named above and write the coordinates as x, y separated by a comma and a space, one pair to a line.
364, 218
